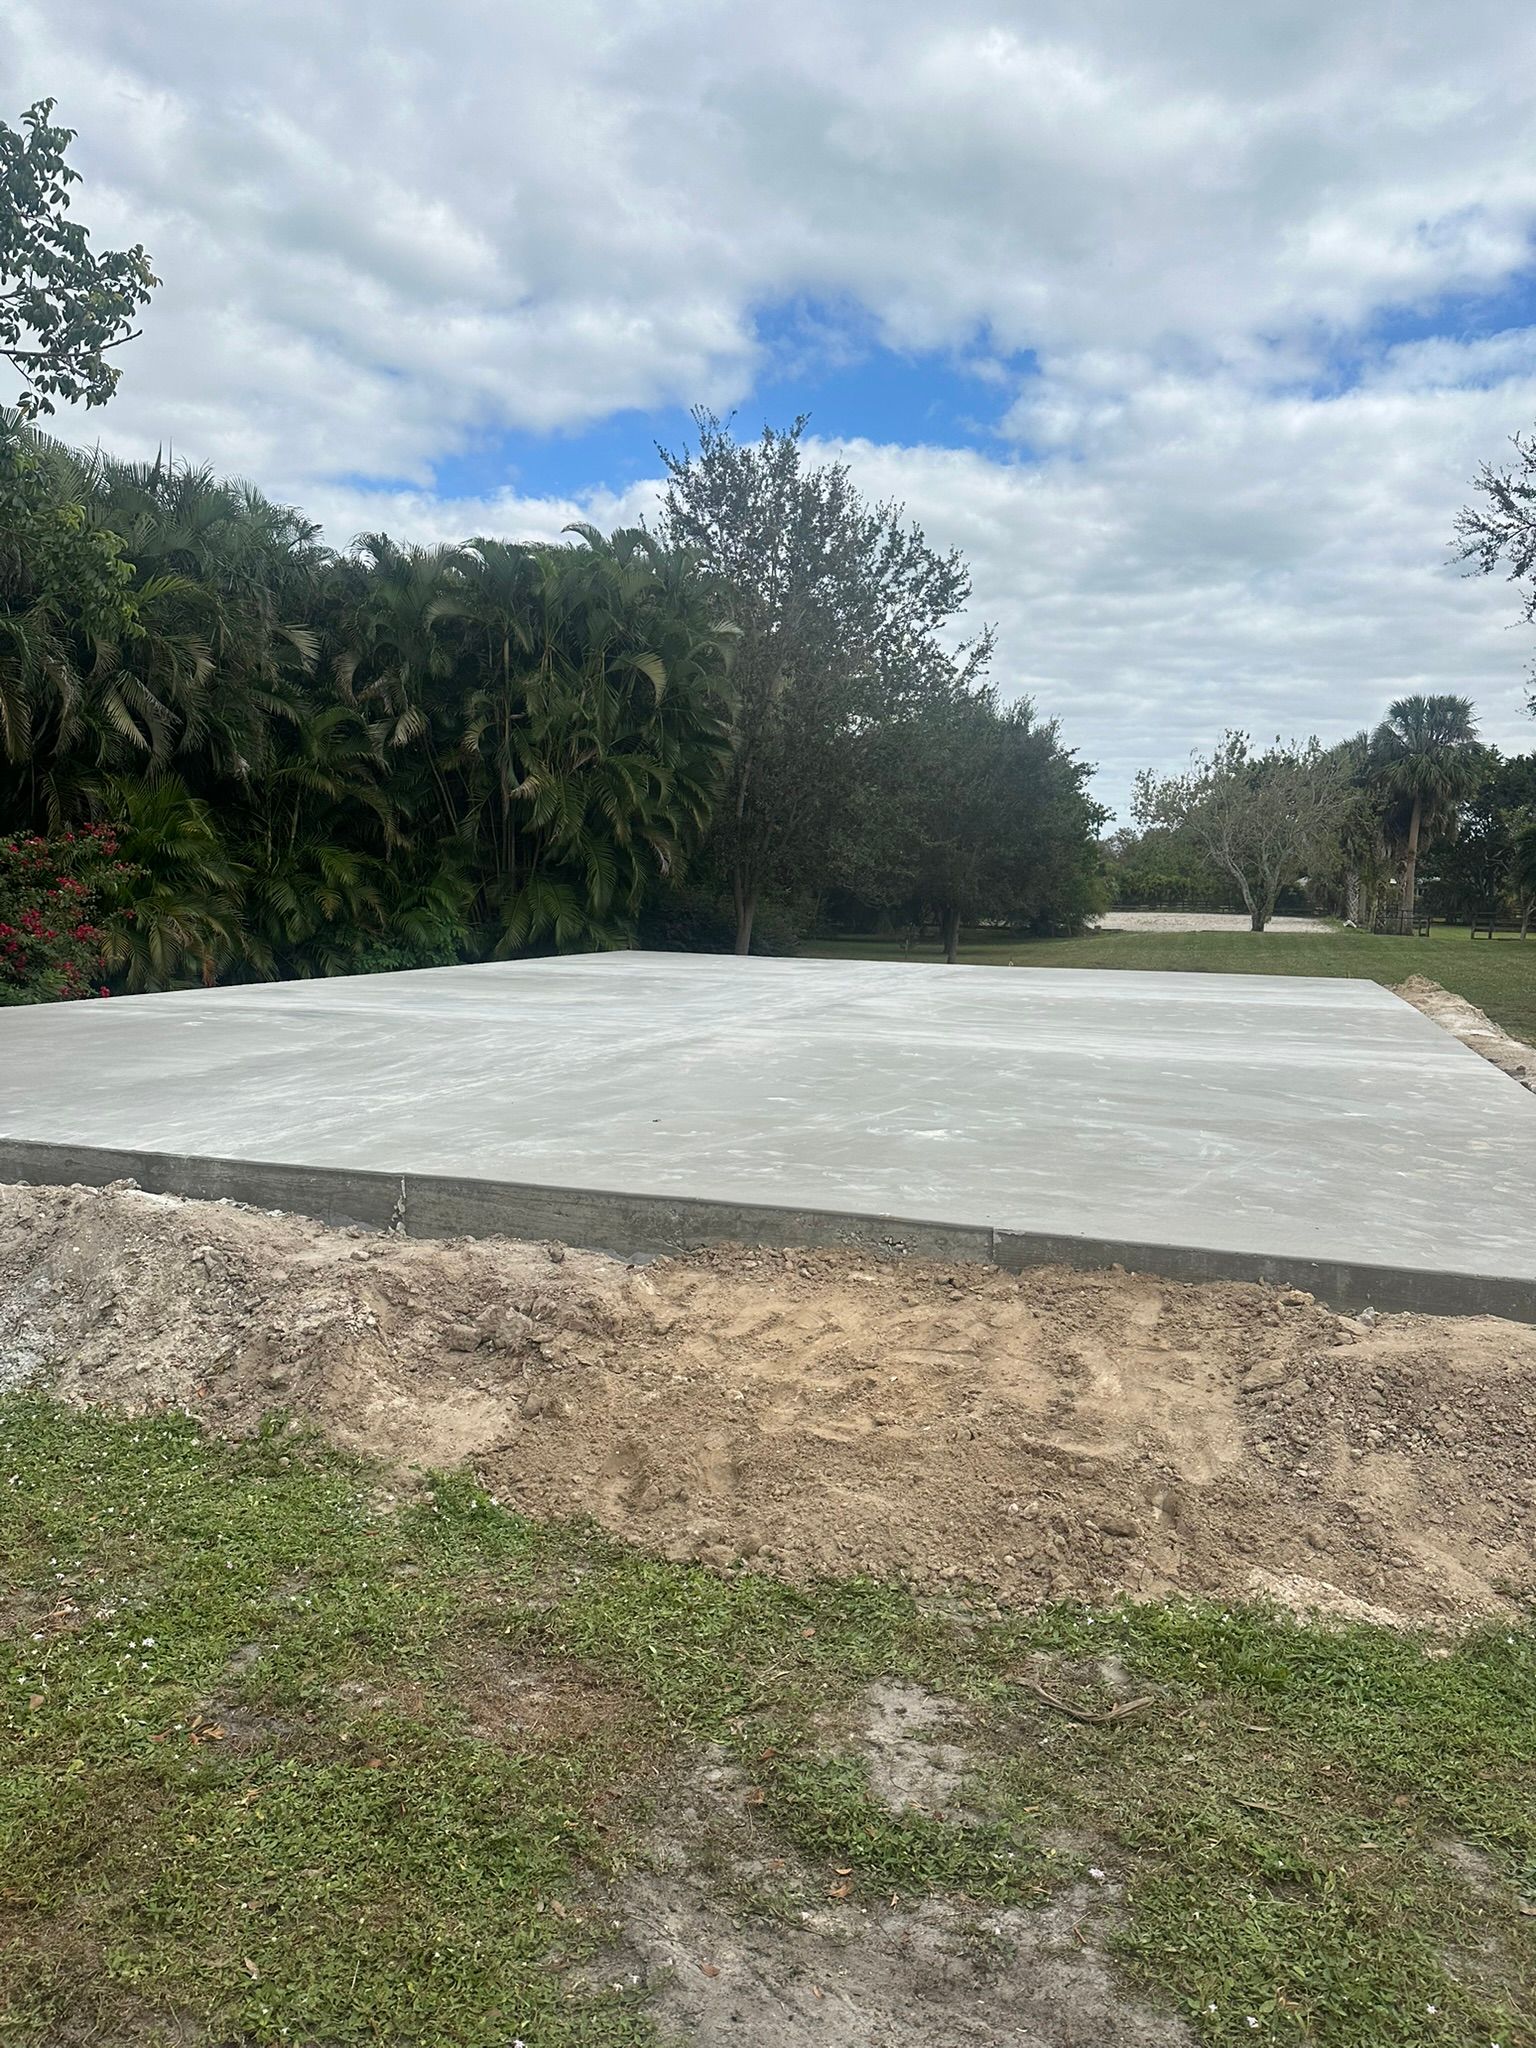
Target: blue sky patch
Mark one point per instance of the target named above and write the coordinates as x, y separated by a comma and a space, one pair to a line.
824, 361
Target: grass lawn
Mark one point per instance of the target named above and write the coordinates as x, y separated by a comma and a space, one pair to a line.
261, 1783
1499, 975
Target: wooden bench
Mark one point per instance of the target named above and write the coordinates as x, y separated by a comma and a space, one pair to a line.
1491, 927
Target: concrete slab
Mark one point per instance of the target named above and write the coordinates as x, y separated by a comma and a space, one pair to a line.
1315, 1131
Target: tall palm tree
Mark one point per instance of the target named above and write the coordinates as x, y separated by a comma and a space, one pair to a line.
1427, 758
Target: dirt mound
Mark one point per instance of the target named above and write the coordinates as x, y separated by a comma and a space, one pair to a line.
1048, 1435
1474, 1027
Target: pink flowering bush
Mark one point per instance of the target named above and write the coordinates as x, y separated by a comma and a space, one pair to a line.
54, 899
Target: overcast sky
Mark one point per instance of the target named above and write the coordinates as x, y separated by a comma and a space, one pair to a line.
1189, 324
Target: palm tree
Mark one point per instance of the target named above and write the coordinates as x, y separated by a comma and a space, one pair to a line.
1357, 863
594, 726
224, 581
321, 760
1427, 759
54, 575
178, 892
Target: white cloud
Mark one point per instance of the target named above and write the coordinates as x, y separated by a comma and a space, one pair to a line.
1210, 557
385, 232
346, 511
1203, 559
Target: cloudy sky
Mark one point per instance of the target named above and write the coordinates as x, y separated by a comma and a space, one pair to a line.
1188, 323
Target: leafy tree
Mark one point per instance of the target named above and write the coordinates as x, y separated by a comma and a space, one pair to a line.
1500, 531
838, 607
63, 305
1426, 758
1480, 869
967, 810
1162, 868
1259, 817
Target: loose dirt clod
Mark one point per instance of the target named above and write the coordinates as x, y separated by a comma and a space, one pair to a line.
1015, 1438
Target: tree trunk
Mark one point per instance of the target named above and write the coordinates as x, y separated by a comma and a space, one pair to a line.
746, 910
952, 936
1411, 864
1254, 905
1352, 896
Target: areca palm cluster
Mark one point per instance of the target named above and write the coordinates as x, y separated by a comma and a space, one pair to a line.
317, 762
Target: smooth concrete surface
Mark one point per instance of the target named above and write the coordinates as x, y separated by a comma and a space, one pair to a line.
1319, 1131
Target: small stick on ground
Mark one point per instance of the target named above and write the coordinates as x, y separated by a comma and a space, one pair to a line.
1122, 1712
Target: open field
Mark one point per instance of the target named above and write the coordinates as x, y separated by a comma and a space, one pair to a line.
1498, 975
697, 1703
297, 1751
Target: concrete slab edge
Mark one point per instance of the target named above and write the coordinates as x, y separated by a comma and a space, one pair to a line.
629, 1226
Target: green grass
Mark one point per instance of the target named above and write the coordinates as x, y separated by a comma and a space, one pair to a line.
244, 1798
1499, 975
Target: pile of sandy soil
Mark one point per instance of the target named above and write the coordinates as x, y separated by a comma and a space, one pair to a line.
1474, 1027
1054, 1434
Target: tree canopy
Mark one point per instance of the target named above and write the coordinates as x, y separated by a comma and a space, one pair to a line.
839, 607
315, 761
63, 304
1487, 867
970, 811
1257, 817
318, 761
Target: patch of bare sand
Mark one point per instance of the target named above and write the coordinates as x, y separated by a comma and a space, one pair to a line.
1474, 1027
1046, 1435
904, 1733
732, 1941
